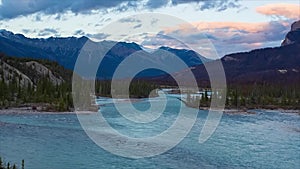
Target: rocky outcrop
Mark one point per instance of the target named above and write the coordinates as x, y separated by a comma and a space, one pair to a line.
293, 36
44, 71
28, 72
295, 26
8, 73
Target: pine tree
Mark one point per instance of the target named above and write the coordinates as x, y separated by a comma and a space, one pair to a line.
23, 164
1, 165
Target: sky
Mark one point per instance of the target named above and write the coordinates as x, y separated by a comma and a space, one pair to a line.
230, 25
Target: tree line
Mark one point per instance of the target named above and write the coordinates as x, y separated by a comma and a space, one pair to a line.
52, 97
270, 96
46, 95
137, 88
4, 165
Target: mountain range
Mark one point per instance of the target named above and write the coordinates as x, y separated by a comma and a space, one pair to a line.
66, 50
269, 65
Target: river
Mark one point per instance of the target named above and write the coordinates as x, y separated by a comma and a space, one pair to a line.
266, 139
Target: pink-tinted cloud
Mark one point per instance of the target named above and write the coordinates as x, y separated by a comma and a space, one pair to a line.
228, 26
230, 37
291, 11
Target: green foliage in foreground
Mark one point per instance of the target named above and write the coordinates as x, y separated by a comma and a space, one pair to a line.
4, 165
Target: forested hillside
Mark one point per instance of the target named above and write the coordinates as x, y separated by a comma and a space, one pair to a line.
47, 86
38, 83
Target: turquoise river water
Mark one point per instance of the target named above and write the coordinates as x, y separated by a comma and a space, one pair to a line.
267, 139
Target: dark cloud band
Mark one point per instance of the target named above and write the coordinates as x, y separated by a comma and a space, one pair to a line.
23, 8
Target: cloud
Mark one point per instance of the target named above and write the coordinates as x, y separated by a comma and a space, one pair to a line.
137, 26
48, 32
291, 11
129, 20
220, 5
269, 32
261, 31
79, 32
157, 3
26, 31
230, 27
38, 18
58, 17
23, 8
158, 40
98, 36
229, 37
53, 6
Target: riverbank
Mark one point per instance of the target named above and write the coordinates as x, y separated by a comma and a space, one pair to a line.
30, 111
23, 110
246, 110
49, 108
